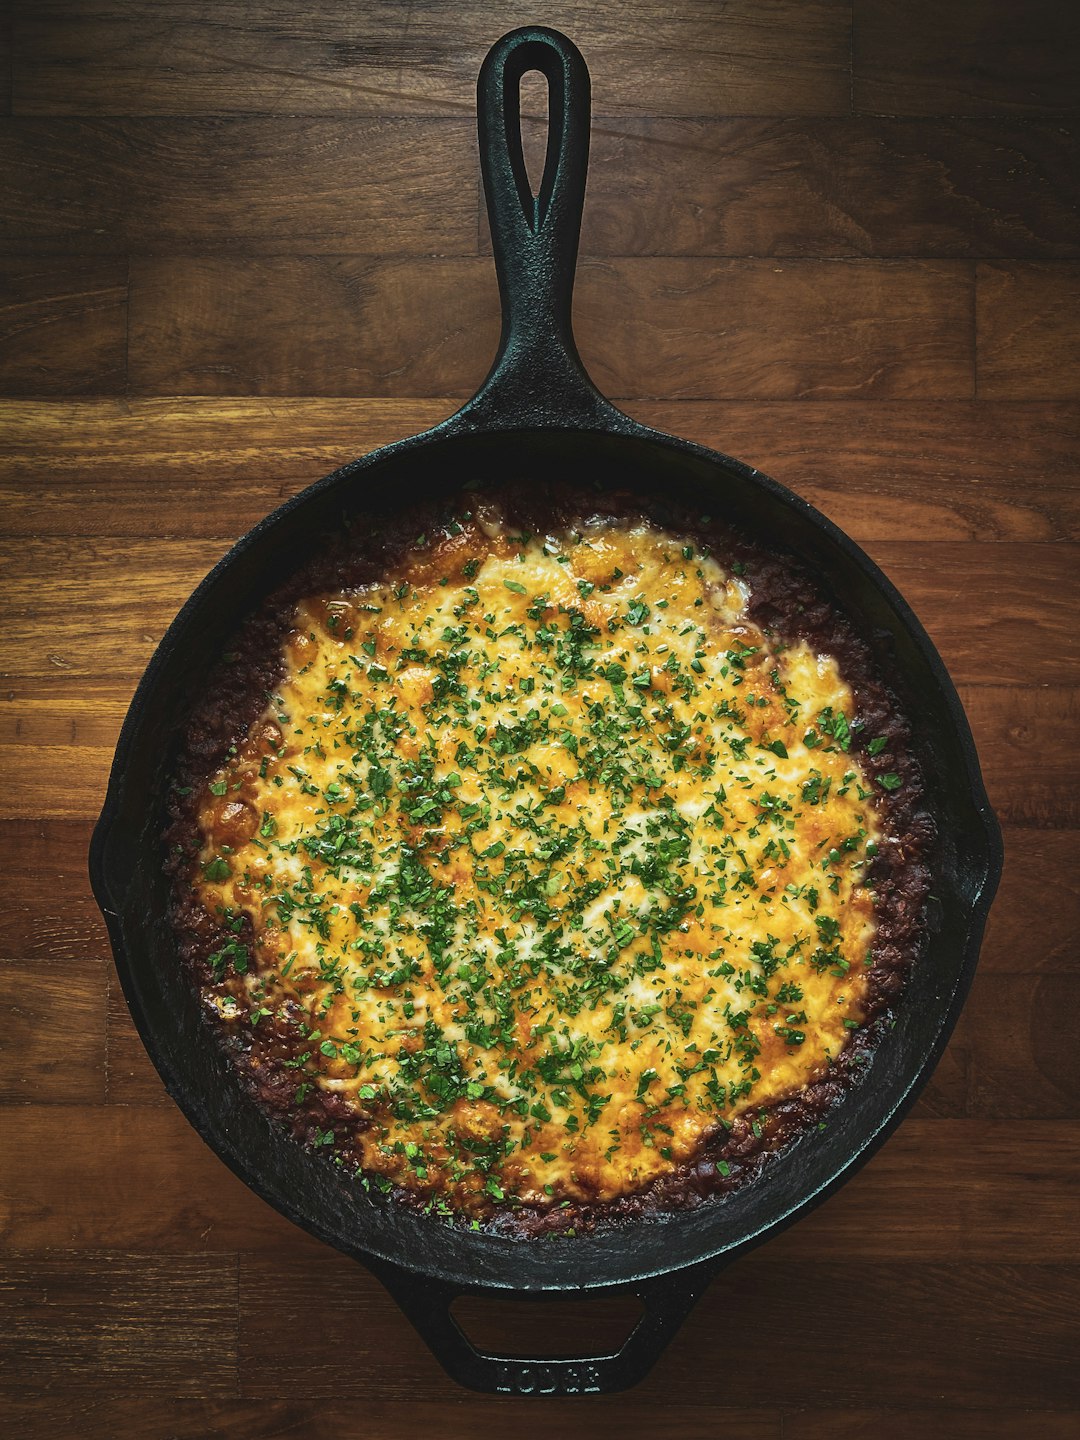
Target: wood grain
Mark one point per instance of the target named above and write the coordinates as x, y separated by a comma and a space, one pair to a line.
1016, 946
1041, 582
1028, 332
930, 1425
131, 1078
939, 1190
116, 57
1009, 1057
967, 57
150, 1417
5, 63
700, 330
955, 1191
242, 241
147, 185
66, 615
1023, 737
87, 771
52, 1032
148, 1184
682, 327
51, 914
35, 715
891, 470
910, 1320
324, 325
95, 1321
208, 468
62, 325
858, 186
180, 467
31, 792
455, 1416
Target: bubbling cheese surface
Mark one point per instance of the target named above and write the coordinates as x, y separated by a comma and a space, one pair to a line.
551, 858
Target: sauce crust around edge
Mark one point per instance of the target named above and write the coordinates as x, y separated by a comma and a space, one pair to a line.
694, 1010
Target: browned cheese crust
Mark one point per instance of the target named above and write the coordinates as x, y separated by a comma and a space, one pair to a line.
270, 1035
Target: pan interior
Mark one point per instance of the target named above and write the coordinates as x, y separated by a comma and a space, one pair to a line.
133, 890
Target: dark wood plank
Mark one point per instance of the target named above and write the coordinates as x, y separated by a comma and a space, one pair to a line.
47, 714
81, 609
915, 1336
119, 57
456, 1415
1014, 944
1028, 331
967, 57
860, 186
5, 63
952, 470
683, 327
328, 325
916, 1339
85, 770
52, 1032
62, 326
936, 188
930, 1425
694, 329
126, 1178
51, 914
1011, 1057
131, 1078
139, 1178
100, 1321
979, 637
954, 1190
946, 1095
1024, 739
206, 467
285, 184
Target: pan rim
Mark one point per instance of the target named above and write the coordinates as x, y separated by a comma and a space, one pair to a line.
568, 1276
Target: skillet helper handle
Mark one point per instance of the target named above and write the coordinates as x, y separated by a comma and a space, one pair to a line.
537, 377
667, 1301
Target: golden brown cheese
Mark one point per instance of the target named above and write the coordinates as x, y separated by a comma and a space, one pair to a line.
555, 853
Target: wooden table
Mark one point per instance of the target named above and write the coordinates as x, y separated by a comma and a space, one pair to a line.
243, 242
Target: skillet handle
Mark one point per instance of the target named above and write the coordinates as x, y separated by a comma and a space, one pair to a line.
667, 1299
537, 377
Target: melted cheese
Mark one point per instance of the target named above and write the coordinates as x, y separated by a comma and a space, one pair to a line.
555, 855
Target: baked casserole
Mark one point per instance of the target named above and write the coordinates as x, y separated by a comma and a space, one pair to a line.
550, 860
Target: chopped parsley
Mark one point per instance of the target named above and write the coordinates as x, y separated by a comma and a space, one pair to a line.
527, 885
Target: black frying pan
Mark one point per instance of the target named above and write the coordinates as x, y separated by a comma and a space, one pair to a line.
538, 411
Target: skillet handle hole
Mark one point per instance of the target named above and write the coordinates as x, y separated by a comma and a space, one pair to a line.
535, 109
548, 1327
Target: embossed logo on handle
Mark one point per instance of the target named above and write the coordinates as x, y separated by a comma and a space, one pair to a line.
540, 1379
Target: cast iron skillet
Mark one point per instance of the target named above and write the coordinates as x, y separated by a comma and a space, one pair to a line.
536, 412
